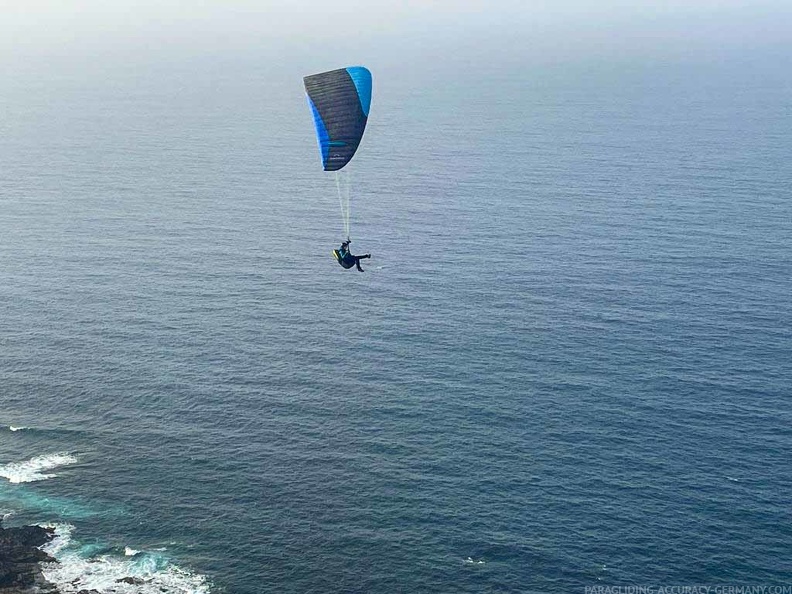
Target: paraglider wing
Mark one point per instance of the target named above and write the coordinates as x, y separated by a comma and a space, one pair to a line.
340, 101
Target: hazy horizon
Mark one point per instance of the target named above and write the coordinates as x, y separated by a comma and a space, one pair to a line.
314, 35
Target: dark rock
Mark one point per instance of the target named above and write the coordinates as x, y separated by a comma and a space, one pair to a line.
132, 580
20, 556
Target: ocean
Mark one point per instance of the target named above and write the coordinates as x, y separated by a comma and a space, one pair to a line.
567, 365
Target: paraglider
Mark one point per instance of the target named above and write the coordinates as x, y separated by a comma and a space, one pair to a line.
346, 259
340, 101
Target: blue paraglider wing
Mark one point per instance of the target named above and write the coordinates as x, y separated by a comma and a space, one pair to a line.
340, 101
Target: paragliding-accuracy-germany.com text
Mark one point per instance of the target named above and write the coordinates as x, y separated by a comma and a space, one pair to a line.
720, 589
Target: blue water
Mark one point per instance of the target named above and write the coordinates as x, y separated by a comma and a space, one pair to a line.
567, 364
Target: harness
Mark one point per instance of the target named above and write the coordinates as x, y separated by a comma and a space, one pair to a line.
344, 258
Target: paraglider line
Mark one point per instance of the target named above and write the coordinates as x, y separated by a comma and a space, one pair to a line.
343, 199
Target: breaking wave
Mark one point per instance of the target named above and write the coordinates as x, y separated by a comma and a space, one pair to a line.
35, 468
115, 572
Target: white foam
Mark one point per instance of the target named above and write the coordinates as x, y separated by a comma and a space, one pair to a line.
130, 552
33, 469
471, 561
142, 573
61, 539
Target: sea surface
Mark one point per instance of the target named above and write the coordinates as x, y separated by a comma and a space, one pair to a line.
568, 363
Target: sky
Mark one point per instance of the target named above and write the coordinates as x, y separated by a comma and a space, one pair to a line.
63, 31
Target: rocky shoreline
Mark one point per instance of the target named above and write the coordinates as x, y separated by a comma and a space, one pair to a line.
20, 558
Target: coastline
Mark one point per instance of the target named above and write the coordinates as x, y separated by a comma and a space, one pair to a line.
21, 558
